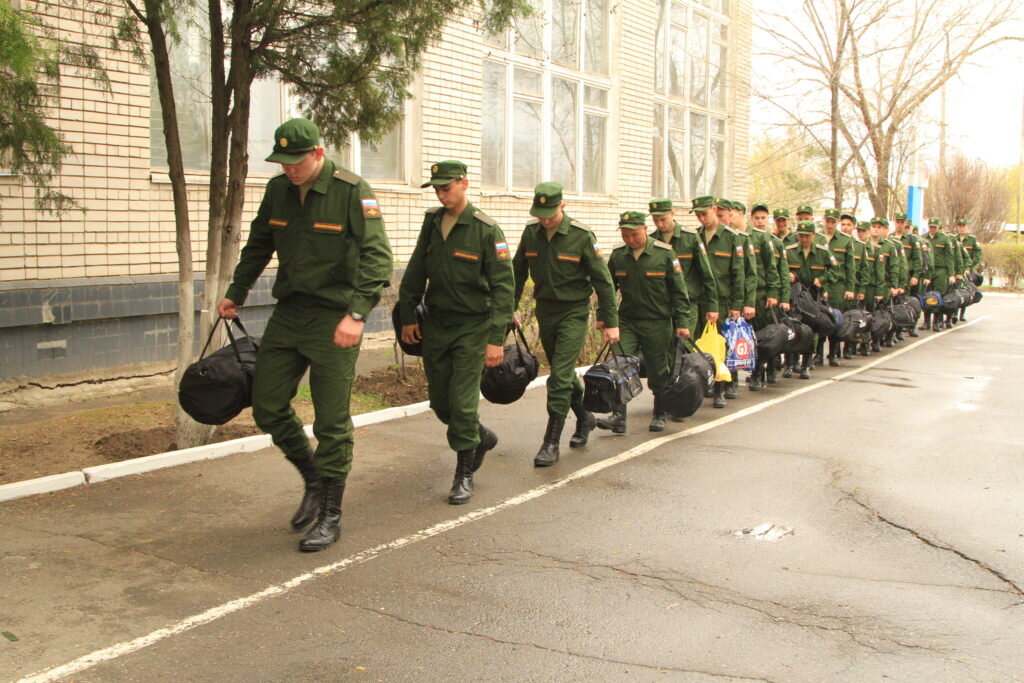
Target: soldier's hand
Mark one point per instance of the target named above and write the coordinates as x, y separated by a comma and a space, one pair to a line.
735, 315
959, 277
518, 320
227, 309
348, 332
792, 276
599, 324
848, 296
609, 335
860, 297
712, 316
784, 306
494, 355
771, 301
749, 312
411, 334
952, 279
683, 332
817, 283
893, 291
877, 298
913, 281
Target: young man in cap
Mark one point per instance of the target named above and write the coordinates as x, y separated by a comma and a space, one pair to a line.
734, 216
912, 257
812, 266
654, 310
887, 266
867, 278
943, 270
461, 267
562, 258
782, 231
763, 281
325, 226
970, 246
726, 253
842, 291
805, 212
760, 218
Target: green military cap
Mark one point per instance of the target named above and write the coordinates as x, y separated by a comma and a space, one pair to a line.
739, 206
444, 172
832, 213
659, 206
805, 228
705, 202
293, 140
848, 215
880, 221
630, 220
934, 221
900, 216
780, 213
961, 221
863, 225
547, 197
760, 206
805, 208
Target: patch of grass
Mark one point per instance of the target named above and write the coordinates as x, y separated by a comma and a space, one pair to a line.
360, 402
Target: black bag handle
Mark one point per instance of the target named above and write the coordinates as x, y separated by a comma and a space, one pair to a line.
231, 337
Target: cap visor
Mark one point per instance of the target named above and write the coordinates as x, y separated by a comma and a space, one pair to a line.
282, 158
546, 212
437, 182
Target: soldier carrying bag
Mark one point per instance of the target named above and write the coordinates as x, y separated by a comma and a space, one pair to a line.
506, 383
611, 382
683, 394
218, 387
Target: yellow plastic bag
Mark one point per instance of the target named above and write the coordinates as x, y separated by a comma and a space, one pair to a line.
714, 343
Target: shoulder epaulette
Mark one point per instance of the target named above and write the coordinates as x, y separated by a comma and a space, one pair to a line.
821, 246
582, 226
794, 245
346, 175
484, 218
689, 229
758, 230
533, 221
658, 243
434, 211
730, 229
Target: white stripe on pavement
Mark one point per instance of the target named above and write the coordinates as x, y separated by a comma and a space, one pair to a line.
223, 610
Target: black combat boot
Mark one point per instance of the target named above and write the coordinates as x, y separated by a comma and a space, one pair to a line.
912, 332
730, 387
585, 423
833, 352
488, 440
755, 379
787, 370
617, 421
805, 371
658, 420
936, 322
875, 347
925, 321
849, 350
311, 497
719, 395
462, 484
325, 532
864, 349
548, 453
963, 314
771, 377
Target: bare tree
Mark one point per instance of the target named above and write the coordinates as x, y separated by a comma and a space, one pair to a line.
887, 57
968, 188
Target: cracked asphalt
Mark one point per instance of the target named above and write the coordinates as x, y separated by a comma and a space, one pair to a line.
902, 485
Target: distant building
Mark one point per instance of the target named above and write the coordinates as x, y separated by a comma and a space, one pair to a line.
651, 99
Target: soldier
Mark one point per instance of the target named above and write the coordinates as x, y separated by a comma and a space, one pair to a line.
867, 278
842, 291
462, 263
735, 218
969, 243
782, 231
847, 225
766, 277
562, 258
813, 266
653, 311
912, 258
887, 273
943, 266
726, 253
805, 212
326, 228
761, 219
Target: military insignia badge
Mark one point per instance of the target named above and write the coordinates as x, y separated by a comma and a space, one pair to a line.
501, 249
676, 267
370, 208
283, 142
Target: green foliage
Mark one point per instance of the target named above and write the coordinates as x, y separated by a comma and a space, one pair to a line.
1003, 260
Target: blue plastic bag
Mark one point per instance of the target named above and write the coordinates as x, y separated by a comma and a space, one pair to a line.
741, 345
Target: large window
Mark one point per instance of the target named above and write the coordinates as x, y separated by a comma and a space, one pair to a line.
689, 137
545, 99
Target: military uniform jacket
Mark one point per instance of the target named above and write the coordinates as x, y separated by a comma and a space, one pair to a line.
926, 257
943, 259
886, 267
862, 277
963, 259
470, 273
973, 249
818, 264
568, 269
332, 250
766, 256
841, 247
726, 253
782, 268
693, 258
652, 286
912, 250
870, 279
749, 270
902, 268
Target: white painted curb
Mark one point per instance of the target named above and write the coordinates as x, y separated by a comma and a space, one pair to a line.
31, 487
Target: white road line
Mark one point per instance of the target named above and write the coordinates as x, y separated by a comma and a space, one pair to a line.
223, 610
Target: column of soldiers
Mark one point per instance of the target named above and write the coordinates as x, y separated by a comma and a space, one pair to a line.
326, 228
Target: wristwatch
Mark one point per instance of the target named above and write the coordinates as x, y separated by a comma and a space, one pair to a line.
358, 317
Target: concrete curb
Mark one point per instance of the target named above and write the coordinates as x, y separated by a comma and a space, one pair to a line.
159, 461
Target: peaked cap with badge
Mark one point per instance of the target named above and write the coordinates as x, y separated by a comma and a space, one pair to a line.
780, 213
631, 220
444, 172
547, 198
293, 140
659, 207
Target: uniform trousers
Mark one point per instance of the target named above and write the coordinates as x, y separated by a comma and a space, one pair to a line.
656, 338
563, 329
454, 346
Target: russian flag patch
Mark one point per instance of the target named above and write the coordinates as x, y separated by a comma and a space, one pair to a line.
501, 249
370, 208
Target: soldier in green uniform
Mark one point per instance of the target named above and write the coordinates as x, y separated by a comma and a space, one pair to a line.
782, 231
943, 270
732, 216
805, 212
462, 264
847, 225
867, 278
926, 268
325, 226
842, 291
812, 266
764, 280
761, 218
970, 246
562, 257
693, 257
887, 273
912, 251
726, 253
654, 310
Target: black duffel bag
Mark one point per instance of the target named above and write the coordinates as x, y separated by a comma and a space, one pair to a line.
858, 322
218, 387
506, 383
804, 335
774, 339
904, 315
881, 324
683, 393
827, 319
612, 380
975, 293
416, 348
956, 297
975, 278
703, 365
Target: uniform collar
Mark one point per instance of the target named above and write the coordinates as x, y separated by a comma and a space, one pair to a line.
324, 180
465, 217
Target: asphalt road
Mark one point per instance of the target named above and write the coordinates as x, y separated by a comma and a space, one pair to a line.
882, 503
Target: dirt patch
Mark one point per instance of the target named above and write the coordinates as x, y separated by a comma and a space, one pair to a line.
40, 441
